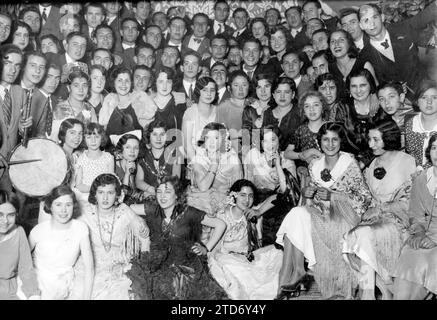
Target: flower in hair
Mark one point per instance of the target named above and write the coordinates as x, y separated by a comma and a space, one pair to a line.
325, 174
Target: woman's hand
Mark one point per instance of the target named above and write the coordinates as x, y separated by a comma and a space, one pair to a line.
130, 166
309, 192
324, 194
250, 213
371, 215
310, 154
199, 249
427, 243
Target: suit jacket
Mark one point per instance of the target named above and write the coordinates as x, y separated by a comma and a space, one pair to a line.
246, 34
228, 30
52, 24
203, 48
10, 133
403, 36
226, 96
39, 113
128, 58
116, 27
300, 41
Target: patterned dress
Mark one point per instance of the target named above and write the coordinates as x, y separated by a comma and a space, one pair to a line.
317, 228
171, 270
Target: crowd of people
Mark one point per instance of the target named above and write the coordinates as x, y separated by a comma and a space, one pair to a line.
216, 160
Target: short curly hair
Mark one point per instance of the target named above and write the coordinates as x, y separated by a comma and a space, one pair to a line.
103, 180
390, 133
62, 190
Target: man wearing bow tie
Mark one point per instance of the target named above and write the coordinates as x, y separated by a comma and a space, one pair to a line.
392, 49
198, 40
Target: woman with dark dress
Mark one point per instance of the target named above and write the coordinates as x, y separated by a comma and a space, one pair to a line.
167, 110
346, 59
97, 89
176, 266
117, 114
285, 115
157, 161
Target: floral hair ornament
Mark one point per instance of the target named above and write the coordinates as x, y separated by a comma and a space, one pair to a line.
325, 174
69, 68
115, 137
230, 199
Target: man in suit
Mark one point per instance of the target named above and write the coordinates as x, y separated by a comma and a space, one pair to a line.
145, 55
190, 69
50, 19
219, 73
12, 100
272, 17
292, 64
218, 24
160, 19
178, 29
298, 38
5, 27
252, 53
94, 16
142, 10
129, 35
351, 23
102, 57
241, 19
198, 41
219, 49
43, 103
75, 48
392, 50
153, 36
313, 9
113, 21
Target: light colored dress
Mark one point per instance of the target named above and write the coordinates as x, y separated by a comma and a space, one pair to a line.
380, 243
215, 198
243, 279
16, 261
420, 266
55, 254
317, 228
112, 262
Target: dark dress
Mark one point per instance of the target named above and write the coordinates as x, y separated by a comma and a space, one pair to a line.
152, 175
171, 114
122, 121
289, 124
343, 90
132, 195
171, 270
304, 139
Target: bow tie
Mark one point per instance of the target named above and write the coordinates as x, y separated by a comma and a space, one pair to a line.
198, 40
385, 44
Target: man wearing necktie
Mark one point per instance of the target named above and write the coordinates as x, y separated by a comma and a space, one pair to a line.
218, 24
94, 15
392, 49
241, 18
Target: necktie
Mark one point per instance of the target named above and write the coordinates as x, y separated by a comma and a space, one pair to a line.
7, 107
385, 44
198, 40
250, 74
190, 92
44, 16
49, 118
220, 30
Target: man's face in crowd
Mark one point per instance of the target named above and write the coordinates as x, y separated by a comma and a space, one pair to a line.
291, 65
320, 41
153, 36
160, 19
129, 31
320, 65
5, 27
104, 38
33, 20
76, 47
142, 11
52, 80
170, 57
310, 11
141, 80
11, 67
218, 73
251, 54
218, 49
47, 45
112, 7
177, 30
71, 25
191, 67
272, 17
94, 16
312, 26
351, 24
145, 57
102, 57
294, 18
240, 19
221, 12
200, 26
34, 69
371, 21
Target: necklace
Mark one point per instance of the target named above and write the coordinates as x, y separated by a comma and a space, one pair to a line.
72, 108
106, 245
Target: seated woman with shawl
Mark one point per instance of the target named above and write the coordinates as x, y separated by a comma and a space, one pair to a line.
373, 246
336, 197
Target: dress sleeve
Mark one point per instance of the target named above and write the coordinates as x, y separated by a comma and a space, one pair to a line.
138, 225
25, 267
417, 209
